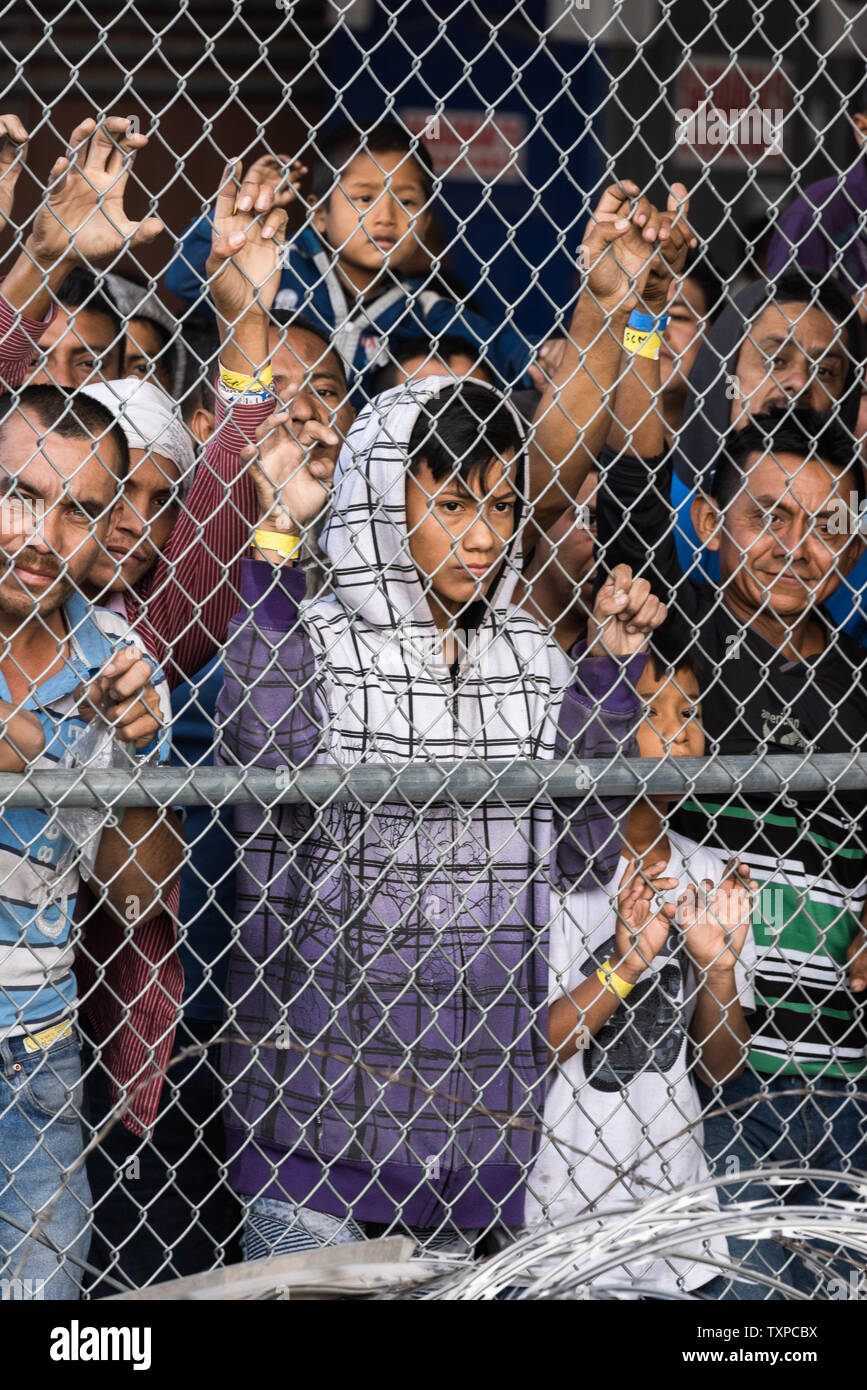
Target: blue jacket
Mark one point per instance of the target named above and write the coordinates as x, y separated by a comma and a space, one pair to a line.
359, 331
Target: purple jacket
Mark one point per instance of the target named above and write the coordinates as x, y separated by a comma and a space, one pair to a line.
381, 948
824, 223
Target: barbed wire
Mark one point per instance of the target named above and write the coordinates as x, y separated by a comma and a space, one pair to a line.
520, 1256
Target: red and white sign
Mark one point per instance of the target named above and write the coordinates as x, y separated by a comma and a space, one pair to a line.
471, 145
731, 116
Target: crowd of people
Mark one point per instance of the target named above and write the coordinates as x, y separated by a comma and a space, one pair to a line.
323, 512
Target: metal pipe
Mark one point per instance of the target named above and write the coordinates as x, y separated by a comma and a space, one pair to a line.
514, 781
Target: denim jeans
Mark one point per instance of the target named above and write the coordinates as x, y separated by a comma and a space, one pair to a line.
808, 1130
40, 1139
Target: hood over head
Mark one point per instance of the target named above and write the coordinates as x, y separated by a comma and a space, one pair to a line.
365, 537
150, 420
707, 412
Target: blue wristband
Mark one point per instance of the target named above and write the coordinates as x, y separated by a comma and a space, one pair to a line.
646, 323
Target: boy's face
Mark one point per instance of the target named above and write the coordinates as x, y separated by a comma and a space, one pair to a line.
671, 711
787, 538
458, 531
367, 218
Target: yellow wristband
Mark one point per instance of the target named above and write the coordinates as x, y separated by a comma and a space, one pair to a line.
606, 976
236, 382
650, 348
284, 545
642, 343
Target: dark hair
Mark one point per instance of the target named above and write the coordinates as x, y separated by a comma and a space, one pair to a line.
816, 287
700, 270
161, 331
446, 347
805, 433
201, 339
72, 415
461, 431
338, 147
670, 649
79, 291
289, 319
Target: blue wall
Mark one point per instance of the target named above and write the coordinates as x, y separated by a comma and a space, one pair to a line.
554, 89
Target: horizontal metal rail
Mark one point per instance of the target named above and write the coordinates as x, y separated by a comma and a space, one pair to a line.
517, 781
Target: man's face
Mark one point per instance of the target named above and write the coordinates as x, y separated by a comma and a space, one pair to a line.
368, 216
144, 347
788, 538
309, 379
80, 347
682, 338
55, 509
141, 523
459, 364
792, 353
458, 531
671, 710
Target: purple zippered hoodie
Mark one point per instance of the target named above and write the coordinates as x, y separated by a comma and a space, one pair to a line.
395, 955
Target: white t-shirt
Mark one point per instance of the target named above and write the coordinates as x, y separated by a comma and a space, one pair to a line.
631, 1089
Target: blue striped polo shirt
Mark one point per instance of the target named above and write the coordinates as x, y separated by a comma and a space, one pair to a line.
39, 873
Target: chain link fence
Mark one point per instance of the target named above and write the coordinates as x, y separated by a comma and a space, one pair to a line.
433, 719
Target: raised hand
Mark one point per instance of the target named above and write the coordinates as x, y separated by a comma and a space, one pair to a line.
625, 613
622, 242
641, 933
284, 176
245, 263
673, 250
715, 920
13, 154
83, 217
291, 473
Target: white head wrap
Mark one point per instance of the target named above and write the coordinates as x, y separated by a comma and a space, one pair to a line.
151, 420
